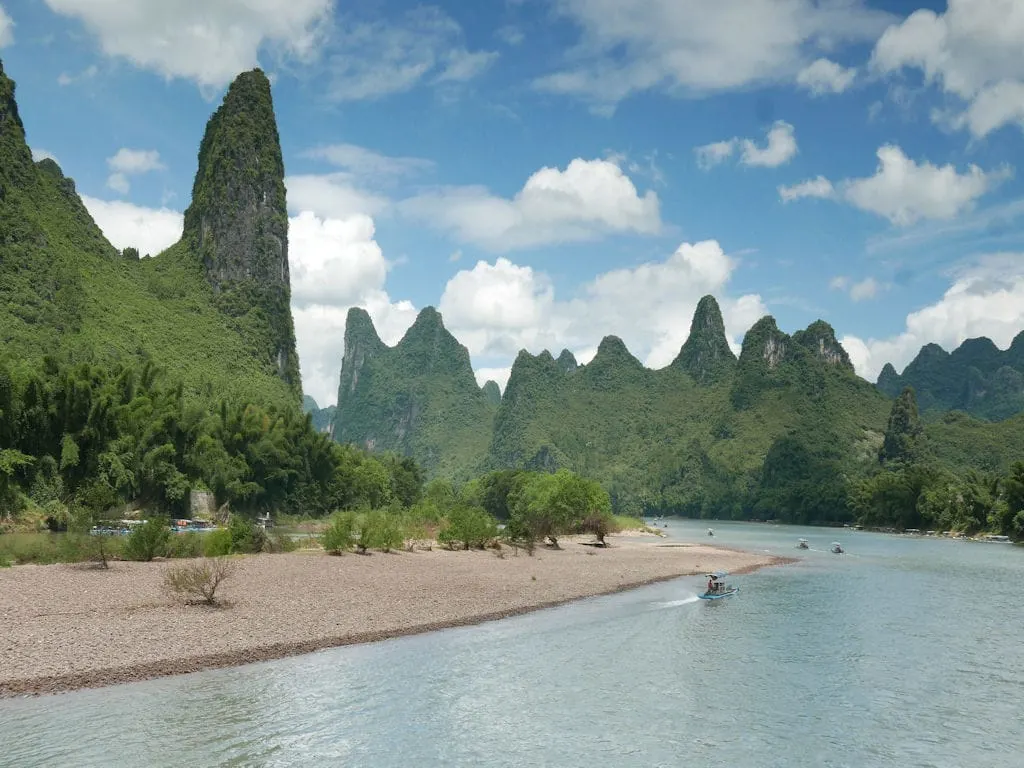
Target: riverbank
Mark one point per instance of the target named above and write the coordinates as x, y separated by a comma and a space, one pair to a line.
64, 627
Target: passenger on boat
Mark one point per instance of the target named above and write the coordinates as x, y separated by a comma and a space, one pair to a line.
711, 585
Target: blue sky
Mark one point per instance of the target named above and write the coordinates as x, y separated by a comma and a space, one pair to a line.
550, 171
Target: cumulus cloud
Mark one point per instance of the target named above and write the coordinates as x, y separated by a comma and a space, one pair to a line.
6, 29
372, 59
337, 264
151, 230
497, 309
905, 191
590, 198
824, 76
780, 147
985, 299
209, 43
867, 288
817, 187
332, 195
131, 162
362, 161
972, 52
694, 47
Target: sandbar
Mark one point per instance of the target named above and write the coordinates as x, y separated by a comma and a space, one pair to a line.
64, 627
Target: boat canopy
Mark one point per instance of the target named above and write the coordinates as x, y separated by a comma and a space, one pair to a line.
718, 575
801, 539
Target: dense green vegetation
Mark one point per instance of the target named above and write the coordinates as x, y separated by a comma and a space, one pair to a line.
785, 432
65, 291
977, 378
418, 398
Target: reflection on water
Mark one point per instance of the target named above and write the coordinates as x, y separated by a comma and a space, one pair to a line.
903, 652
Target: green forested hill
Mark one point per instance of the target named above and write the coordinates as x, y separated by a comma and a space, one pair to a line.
977, 378
65, 291
418, 398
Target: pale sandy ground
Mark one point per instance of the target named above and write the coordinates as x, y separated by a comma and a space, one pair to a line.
64, 626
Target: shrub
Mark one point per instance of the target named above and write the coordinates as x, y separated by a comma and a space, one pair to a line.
197, 582
246, 537
217, 543
280, 542
188, 544
379, 531
337, 537
148, 540
470, 526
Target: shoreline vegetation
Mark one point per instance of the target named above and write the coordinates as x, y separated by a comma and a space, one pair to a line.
67, 627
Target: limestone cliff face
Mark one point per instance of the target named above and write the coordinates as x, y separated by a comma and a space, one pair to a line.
237, 223
419, 398
819, 338
706, 355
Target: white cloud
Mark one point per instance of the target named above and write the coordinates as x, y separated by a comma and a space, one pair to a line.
839, 283
379, 58
6, 28
780, 147
209, 43
817, 187
64, 78
695, 47
336, 264
588, 199
972, 51
866, 289
42, 154
332, 195
905, 191
497, 309
498, 375
710, 155
131, 162
125, 225
986, 299
511, 34
135, 161
119, 183
824, 76
366, 162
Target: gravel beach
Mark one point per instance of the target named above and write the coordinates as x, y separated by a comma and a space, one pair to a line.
64, 627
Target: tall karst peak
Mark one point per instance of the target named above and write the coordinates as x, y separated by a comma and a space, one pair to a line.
706, 355
567, 361
764, 341
428, 345
492, 392
237, 223
15, 156
360, 331
819, 338
889, 380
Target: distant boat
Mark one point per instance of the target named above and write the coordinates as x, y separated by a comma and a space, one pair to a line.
717, 588
801, 544
710, 532
837, 548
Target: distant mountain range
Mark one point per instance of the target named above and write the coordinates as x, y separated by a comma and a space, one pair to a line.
976, 377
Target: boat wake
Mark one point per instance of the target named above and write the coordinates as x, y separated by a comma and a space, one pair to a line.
676, 603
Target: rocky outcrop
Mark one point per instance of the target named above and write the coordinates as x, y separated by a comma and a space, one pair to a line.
706, 355
237, 223
819, 338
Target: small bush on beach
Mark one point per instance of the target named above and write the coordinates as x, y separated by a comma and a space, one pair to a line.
246, 537
379, 530
148, 540
181, 545
217, 543
280, 542
469, 527
337, 537
197, 582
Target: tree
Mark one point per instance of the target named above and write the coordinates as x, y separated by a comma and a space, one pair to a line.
471, 526
903, 429
549, 506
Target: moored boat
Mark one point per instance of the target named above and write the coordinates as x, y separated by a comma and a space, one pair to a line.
717, 588
801, 544
711, 532
837, 548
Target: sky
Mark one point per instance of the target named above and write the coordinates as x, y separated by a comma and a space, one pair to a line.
547, 172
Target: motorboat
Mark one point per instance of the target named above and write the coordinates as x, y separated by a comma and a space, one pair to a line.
711, 532
717, 588
802, 544
837, 548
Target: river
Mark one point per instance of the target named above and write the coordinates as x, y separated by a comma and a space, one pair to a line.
901, 652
